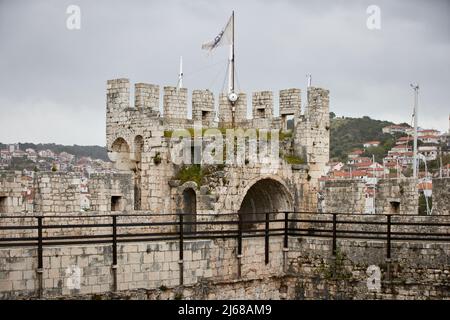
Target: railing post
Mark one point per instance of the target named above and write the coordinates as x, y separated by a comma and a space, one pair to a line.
334, 235
286, 241
114, 252
266, 239
181, 244
239, 253
40, 268
286, 219
333, 258
388, 247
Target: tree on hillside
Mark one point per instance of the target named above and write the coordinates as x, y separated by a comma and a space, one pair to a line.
348, 134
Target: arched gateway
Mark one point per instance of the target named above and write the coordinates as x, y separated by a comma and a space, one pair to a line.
264, 196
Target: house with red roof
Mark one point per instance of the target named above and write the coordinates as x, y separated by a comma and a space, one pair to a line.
355, 153
400, 148
397, 129
369, 144
429, 139
404, 140
428, 132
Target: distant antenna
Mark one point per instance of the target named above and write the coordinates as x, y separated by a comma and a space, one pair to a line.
308, 85
180, 75
416, 98
308, 77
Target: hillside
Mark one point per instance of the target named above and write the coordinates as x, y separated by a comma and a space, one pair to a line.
348, 134
95, 152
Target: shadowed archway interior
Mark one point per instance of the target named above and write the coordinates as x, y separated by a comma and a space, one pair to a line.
189, 209
267, 195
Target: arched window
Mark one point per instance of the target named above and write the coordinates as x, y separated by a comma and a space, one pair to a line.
138, 149
189, 210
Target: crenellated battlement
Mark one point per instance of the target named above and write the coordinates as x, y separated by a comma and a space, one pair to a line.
147, 118
262, 104
146, 96
203, 106
175, 102
209, 110
118, 94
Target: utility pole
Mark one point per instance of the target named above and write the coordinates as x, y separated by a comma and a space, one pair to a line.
416, 107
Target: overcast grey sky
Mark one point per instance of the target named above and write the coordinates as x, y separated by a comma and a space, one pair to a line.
53, 80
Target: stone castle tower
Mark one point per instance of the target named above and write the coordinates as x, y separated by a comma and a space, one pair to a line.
138, 141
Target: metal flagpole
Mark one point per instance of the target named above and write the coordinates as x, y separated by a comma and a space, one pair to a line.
231, 75
416, 96
232, 96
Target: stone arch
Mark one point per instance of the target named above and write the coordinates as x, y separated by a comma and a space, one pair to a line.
120, 154
265, 195
120, 145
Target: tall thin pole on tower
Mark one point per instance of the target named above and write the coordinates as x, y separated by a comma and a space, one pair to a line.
308, 76
231, 71
416, 107
180, 75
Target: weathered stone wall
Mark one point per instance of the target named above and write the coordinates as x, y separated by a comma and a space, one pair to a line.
57, 192
225, 111
146, 96
342, 196
118, 94
290, 104
402, 191
312, 132
441, 196
102, 187
417, 270
348, 196
262, 105
61, 192
175, 102
16, 192
238, 180
140, 265
203, 107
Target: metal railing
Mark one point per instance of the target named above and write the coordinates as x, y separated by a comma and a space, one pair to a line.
335, 226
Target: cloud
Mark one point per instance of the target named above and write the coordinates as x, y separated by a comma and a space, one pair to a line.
56, 78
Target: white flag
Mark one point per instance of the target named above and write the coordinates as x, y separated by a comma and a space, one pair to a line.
224, 37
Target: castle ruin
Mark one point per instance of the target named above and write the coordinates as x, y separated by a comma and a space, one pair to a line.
151, 192
138, 139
